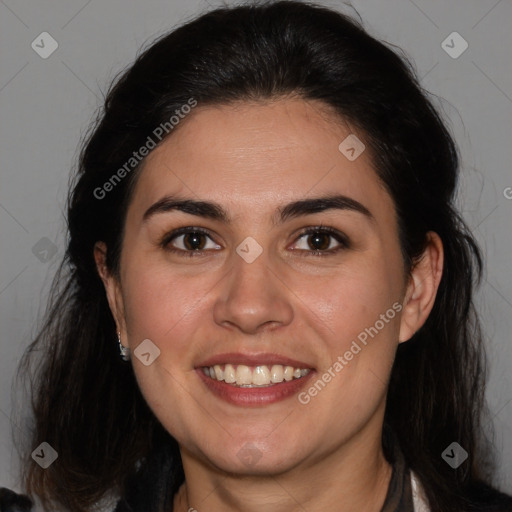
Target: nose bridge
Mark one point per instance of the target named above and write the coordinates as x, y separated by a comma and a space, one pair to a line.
252, 295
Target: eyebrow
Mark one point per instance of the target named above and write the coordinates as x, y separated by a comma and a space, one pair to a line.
215, 211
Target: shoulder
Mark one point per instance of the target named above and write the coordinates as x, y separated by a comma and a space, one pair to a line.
13, 502
481, 497
485, 498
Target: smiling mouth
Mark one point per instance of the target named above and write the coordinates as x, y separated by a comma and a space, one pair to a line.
243, 376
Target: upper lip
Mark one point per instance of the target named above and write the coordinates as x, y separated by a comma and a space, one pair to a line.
266, 358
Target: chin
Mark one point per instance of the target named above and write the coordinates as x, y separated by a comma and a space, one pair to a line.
252, 459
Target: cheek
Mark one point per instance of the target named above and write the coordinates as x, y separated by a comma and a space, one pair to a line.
162, 306
358, 309
353, 298
165, 308
359, 313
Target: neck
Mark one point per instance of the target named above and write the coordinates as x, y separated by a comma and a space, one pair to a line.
354, 477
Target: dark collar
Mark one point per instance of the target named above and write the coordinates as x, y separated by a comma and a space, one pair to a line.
399, 496
154, 490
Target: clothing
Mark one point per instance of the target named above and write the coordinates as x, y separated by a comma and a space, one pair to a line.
12, 502
153, 489
404, 492
419, 500
399, 497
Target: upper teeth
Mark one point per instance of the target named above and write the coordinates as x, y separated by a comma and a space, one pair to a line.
248, 376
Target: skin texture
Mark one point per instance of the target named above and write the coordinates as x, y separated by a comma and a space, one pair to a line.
253, 158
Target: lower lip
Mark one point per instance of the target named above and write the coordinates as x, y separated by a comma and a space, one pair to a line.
253, 397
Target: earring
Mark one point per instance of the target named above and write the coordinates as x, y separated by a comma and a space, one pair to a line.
125, 351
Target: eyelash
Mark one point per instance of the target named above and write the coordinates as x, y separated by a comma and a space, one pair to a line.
339, 237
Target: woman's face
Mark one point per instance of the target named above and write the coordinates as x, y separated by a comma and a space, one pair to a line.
292, 259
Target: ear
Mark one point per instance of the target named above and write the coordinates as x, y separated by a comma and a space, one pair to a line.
422, 288
112, 288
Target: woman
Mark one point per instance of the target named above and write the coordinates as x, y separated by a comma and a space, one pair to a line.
267, 295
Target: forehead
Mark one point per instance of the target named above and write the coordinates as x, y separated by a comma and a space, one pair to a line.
251, 156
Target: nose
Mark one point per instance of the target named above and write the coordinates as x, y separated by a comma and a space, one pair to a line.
253, 298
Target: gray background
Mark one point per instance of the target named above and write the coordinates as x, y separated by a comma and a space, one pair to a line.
47, 104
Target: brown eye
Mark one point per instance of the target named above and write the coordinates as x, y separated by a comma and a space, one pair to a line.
321, 241
194, 241
189, 240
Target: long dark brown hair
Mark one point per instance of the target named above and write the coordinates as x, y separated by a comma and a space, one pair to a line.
85, 399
